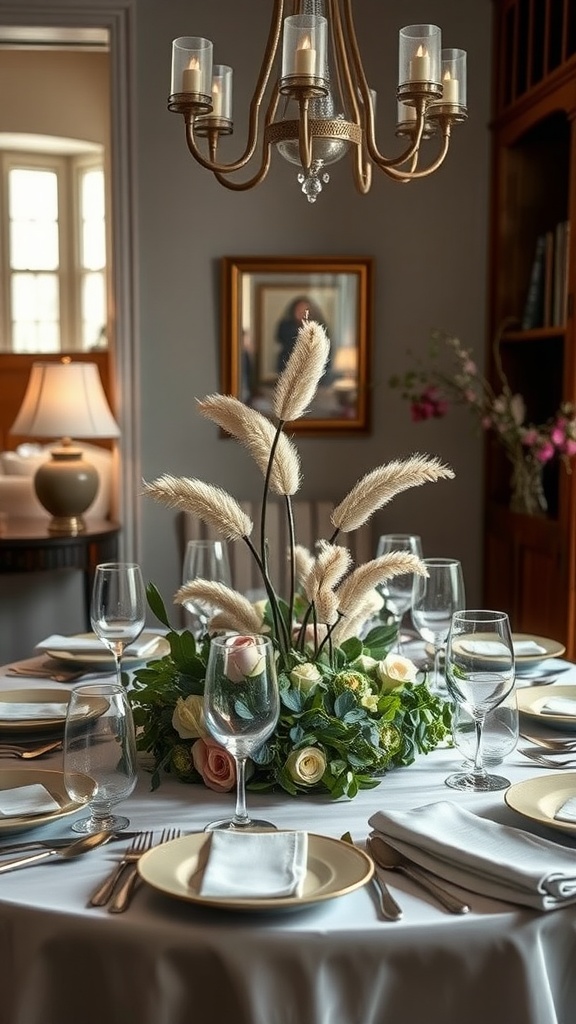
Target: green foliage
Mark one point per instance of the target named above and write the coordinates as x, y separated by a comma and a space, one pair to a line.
359, 724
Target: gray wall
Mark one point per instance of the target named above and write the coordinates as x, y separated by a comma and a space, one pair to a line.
428, 239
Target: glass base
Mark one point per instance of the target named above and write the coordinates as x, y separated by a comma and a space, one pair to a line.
472, 783
88, 826
229, 825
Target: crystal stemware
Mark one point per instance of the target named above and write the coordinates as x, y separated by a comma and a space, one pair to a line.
206, 560
480, 674
397, 591
99, 741
435, 598
118, 607
241, 707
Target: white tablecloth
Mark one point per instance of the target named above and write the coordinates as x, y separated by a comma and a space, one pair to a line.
170, 962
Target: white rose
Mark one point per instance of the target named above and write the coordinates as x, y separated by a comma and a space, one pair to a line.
188, 718
305, 676
395, 670
364, 663
306, 766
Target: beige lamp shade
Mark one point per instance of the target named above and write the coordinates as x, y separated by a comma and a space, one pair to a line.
66, 400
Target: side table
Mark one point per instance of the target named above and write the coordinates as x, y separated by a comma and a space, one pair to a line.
27, 546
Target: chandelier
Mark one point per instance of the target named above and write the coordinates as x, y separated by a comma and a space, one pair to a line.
320, 105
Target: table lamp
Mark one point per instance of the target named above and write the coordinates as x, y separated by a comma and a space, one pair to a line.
65, 399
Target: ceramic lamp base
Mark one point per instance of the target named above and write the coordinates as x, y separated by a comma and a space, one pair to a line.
66, 486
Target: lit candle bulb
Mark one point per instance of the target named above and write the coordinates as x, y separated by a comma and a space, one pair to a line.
450, 88
192, 77
305, 59
420, 65
216, 100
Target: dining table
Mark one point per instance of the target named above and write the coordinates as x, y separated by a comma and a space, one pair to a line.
170, 960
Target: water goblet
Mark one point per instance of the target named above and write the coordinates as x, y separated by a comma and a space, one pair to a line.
435, 598
500, 734
118, 607
397, 591
479, 675
241, 708
99, 741
206, 560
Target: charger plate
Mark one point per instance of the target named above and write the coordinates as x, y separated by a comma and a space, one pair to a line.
538, 799
31, 697
11, 778
531, 700
105, 661
551, 649
334, 868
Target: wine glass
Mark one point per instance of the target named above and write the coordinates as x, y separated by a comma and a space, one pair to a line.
500, 735
118, 607
397, 591
206, 560
480, 674
435, 598
99, 741
241, 707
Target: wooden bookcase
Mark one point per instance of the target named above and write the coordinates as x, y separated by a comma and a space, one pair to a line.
530, 561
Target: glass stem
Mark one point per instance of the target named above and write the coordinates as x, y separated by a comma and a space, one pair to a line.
241, 818
479, 769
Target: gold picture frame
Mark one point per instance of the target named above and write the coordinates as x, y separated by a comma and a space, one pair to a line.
263, 302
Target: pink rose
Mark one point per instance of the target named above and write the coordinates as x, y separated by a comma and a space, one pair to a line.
569, 447
545, 453
244, 657
214, 764
558, 434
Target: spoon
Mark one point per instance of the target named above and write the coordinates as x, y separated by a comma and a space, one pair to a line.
392, 860
76, 849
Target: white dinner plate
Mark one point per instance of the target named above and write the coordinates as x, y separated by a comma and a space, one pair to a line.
334, 868
11, 778
29, 723
106, 660
539, 799
551, 649
531, 700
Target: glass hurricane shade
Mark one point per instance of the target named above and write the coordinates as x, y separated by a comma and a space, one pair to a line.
65, 399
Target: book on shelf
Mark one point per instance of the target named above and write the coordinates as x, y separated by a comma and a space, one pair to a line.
547, 294
533, 315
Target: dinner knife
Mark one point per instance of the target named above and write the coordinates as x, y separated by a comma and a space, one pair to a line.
386, 902
56, 844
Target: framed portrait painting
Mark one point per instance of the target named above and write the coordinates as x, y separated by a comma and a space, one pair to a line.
265, 300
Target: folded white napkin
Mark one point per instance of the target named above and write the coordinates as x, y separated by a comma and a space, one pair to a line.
559, 706
494, 860
568, 810
26, 800
492, 647
255, 865
92, 645
31, 711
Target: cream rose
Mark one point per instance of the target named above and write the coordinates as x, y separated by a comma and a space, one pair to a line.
214, 764
306, 766
188, 718
395, 670
244, 657
305, 676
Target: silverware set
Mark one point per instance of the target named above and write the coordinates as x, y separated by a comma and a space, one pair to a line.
118, 888
558, 759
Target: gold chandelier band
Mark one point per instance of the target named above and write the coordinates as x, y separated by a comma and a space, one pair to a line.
280, 131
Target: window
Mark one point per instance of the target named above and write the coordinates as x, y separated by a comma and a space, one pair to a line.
53, 280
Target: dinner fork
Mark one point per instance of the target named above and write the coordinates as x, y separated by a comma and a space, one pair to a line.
130, 879
551, 760
557, 746
10, 750
139, 845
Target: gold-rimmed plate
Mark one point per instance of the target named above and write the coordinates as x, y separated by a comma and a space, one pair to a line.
29, 704
549, 649
532, 699
539, 799
159, 647
333, 869
53, 782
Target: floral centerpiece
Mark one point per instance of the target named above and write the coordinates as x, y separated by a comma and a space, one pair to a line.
350, 709
432, 386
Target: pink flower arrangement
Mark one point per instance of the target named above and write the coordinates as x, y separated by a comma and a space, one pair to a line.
431, 389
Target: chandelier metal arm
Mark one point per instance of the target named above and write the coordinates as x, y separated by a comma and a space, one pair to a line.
414, 174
